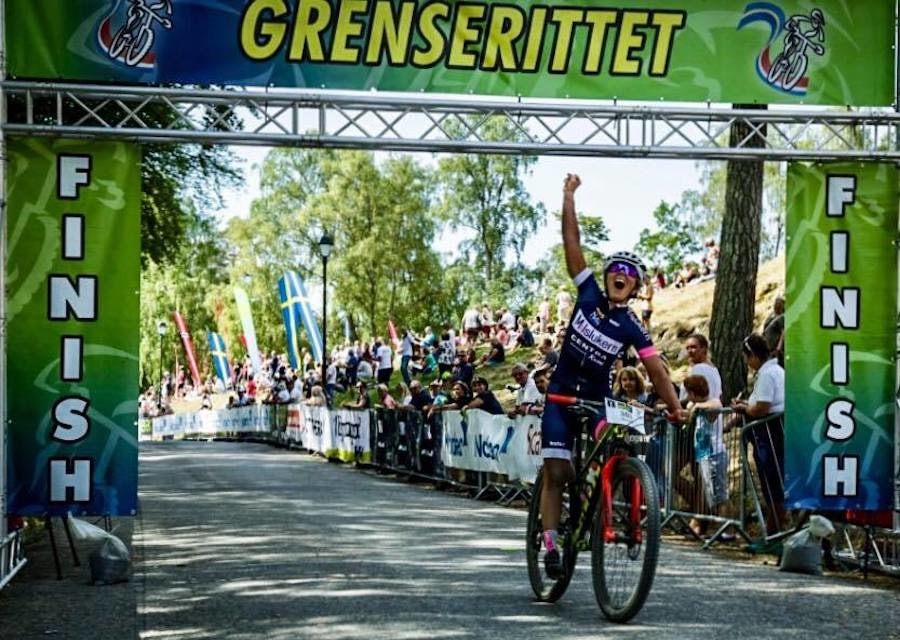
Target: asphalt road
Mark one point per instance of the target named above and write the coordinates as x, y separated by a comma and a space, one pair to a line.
246, 541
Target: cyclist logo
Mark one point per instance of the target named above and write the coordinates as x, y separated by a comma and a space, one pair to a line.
133, 42
801, 35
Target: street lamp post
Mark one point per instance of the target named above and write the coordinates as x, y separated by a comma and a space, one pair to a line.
326, 244
161, 329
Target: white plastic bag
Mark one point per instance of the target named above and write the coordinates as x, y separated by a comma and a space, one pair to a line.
111, 561
84, 531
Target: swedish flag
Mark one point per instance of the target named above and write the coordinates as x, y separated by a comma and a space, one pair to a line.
219, 356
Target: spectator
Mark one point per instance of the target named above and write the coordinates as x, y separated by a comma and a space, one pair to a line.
471, 324
544, 315
439, 397
251, 389
697, 348
426, 364
645, 295
385, 358
541, 379
407, 346
330, 380
487, 322
429, 339
484, 398
364, 371
525, 338
282, 395
630, 386
446, 353
765, 405
294, 391
773, 330
460, 397
362, 397
465, 367
527, 394
550, 355
384, 397
403, 395
352, 367
420, 398
563, 306
709, 446
660, 279
206, 402
316, 397
496, 355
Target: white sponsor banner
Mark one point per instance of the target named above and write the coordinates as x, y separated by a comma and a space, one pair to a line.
350, 436
252, 419
316, 433
478, 441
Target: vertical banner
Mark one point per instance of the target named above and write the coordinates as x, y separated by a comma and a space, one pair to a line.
220, 357
188, 345
243, 306
840, 335
73, 277
297, 295
290, 314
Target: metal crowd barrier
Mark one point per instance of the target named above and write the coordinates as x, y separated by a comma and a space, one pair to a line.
12, 555
704, 490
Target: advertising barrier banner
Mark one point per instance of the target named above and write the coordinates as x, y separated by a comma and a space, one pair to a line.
73, 279
479, 441
840, 335
830, 52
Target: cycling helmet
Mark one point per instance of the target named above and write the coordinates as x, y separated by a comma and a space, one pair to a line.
816, 17
628, 258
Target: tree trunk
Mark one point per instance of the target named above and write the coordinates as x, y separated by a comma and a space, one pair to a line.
735, 293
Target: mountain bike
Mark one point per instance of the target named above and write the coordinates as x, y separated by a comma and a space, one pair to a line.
619, 523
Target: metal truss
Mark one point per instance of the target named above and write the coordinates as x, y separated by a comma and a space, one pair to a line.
457, 124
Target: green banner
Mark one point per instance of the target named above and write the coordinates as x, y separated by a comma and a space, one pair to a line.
73, 278
827, 52
840, 335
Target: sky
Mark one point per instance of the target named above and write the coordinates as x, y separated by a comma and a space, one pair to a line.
624, 192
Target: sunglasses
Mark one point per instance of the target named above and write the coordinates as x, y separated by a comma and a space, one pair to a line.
624, 268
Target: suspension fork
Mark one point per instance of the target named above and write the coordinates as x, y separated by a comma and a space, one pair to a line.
609, 534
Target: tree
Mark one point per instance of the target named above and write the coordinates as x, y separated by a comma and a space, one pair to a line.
735, 292
383, 266
672, 241
486, 195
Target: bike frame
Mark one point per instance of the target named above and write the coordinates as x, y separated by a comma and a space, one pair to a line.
607, 471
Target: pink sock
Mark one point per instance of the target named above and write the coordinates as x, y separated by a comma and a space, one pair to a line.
549, 539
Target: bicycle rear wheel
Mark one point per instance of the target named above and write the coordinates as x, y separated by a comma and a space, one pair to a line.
623, 560
545, 589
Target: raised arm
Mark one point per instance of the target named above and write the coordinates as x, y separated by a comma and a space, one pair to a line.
571, 237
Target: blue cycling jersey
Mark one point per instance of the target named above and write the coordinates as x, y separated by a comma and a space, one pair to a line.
597, 335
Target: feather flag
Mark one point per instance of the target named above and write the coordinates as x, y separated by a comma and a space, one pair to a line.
392, 332
290, 314
219, 356
243, 306
188, 345
296, 294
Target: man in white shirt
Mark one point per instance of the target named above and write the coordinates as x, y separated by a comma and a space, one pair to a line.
697, 348
406, 354
385, 358
527, 395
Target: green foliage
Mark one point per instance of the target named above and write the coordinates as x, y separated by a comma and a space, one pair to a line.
485, 195
671, 242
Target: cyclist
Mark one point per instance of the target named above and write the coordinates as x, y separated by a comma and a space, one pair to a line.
602, 327
797, 37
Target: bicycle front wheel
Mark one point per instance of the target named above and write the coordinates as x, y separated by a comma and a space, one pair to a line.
545, 589
624, 557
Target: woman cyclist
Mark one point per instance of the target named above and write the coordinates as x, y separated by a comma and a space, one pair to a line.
601, 328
